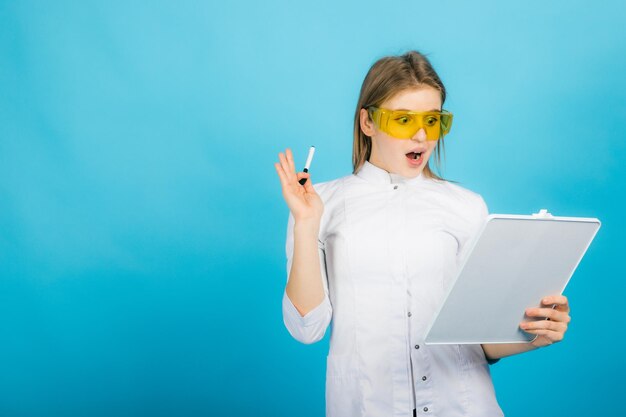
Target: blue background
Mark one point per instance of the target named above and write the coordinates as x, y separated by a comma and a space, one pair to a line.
142, 224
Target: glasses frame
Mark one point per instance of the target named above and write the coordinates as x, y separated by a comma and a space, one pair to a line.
381, 118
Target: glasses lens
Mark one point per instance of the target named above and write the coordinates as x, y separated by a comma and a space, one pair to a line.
402, 125
405, 124
431, 123
446, 123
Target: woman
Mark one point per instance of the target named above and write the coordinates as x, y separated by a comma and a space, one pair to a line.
375, 252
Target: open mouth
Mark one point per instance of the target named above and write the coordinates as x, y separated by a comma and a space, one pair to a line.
413, 155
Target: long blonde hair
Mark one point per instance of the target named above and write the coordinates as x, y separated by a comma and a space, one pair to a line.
386, 78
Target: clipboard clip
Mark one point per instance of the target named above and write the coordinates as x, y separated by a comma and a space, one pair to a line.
543, 214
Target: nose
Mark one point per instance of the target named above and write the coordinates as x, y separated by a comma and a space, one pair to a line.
420, 136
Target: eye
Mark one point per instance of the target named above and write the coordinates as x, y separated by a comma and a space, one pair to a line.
404, 119
431, 120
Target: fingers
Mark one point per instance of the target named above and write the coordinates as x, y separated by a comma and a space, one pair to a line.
550, 335
546, 335
290, 173
301, 175
287, 172
292, 166
552, 314
551, 330
555, 326
560, 302
308, 185
281, 175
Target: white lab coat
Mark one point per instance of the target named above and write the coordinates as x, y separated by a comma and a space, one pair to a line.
389, 247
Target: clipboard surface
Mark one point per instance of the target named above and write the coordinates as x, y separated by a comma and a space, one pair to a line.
515, 262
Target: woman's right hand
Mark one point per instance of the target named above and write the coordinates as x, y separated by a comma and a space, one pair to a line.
303, 202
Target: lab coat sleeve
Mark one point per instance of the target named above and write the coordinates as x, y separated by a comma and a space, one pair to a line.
311, 327
481, 215
477, 216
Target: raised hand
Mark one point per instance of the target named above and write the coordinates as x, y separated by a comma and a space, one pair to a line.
303, 202
552, 330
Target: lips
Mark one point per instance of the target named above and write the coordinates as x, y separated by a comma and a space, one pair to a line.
416, 152
415, 159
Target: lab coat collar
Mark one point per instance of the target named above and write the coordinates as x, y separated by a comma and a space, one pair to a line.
376, 175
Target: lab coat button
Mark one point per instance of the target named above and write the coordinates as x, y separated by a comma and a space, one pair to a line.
409, 314
425, 409
424, 378
395, 187
417, 346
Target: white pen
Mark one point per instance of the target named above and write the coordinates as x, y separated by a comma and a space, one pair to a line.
307, 165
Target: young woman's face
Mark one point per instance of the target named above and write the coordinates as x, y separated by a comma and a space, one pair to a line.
394, 155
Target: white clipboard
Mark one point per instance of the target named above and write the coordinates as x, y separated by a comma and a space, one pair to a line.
515, 262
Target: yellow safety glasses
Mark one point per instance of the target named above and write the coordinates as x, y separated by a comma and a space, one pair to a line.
403, 124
